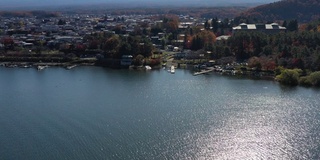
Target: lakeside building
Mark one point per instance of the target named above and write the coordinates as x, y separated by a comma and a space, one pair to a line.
265, 28
126, 60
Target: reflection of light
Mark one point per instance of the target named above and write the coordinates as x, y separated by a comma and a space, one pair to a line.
256, 129
244, 141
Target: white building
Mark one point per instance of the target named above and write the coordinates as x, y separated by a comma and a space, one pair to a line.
266, 28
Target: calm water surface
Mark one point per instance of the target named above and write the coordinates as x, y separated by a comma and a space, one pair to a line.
97, 113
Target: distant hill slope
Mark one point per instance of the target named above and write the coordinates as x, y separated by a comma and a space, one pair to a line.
302, 10
39, 14
39, 4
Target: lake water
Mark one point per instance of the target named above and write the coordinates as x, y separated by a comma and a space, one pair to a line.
98, 113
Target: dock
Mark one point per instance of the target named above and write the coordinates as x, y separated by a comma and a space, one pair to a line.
203, 71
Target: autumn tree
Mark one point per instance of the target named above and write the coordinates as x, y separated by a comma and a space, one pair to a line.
171, 23
111, 46
203, 39
7, 42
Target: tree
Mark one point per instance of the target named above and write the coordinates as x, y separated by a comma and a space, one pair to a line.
146, 49
138, 60
254, 62
62, 22
284, 24
258, 41
171, 23
7, 42
207, 25
94, 44
289, 77
267, 50
217, 52
292, 25
197, 43
240, 45
80, 47
215, 25
227, 52
117, 29
155, 30
202, 39
315, 78
111, 46
125, 49
112, 43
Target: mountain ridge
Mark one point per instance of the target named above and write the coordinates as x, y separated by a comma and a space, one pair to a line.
37, 4
301, 10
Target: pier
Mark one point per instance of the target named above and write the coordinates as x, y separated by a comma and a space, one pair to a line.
204, 71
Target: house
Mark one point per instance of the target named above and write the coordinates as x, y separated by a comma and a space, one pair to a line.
178, 42
180, 55
191, 54
1, 46
27, 45
49, 28
161, 35
155, 40
69, 39
223, 37
126, 60
265, 28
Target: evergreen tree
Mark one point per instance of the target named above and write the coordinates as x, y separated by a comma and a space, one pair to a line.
292, 25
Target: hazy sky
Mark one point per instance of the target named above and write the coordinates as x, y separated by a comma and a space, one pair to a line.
30, 3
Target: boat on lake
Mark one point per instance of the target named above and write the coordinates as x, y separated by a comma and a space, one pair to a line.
172, 69
70, 67
148, 67
41, 67
25, 66
11, 65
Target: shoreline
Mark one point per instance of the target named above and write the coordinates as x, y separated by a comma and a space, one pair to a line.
218, 70
248, 74
37, 64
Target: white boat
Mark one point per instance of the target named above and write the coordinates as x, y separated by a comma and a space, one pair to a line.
172, 69
41, 67
148, 67
70, 67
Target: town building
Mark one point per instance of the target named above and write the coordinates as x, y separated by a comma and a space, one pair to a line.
265, 28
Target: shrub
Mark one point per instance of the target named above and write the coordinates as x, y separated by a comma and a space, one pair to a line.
153, 61
315, 78
305, 81
138, 60
278, 70
289, 77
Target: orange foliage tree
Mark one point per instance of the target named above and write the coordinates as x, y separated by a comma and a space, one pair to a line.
202, 39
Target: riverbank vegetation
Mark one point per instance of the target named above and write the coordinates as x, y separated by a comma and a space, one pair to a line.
295, 77
290, 50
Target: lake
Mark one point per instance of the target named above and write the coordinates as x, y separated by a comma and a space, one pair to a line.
99, 113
